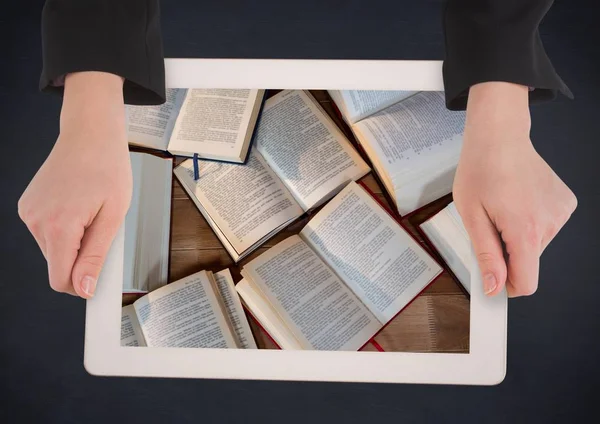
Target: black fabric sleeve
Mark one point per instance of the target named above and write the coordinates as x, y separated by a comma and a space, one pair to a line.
497, 40
121, 37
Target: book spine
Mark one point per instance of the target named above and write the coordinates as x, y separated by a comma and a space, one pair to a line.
253, 138
392, 215
384, 207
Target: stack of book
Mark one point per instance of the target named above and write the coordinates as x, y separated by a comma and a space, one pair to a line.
259, 165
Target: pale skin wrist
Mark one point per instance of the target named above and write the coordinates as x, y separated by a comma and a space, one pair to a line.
500, 112
93, 105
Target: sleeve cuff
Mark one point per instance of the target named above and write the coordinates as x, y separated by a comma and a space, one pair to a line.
118, 37
484, 42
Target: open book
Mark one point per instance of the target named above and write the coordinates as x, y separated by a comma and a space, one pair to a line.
147, 224
446, 232
412, 140
300, 160
201, 310
350, 271
214, 123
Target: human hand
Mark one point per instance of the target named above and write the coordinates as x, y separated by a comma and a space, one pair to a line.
505, 192
77, 200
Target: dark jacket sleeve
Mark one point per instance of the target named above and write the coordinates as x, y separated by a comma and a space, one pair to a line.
497, 40
121, 37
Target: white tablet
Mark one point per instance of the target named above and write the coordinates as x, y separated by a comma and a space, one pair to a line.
485, 364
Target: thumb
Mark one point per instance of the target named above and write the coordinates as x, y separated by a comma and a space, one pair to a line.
94, 246
488, 250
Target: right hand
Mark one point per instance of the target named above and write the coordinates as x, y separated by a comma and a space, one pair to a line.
511, 202
78, 199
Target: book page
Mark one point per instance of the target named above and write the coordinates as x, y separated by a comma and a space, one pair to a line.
384, 266
414, 135
185, 313
234, 309
147, 224
151, 126
306, 149
246, 202
132, 227
359, 104
131, 333
214, 123
414, 146
448, 235
319, 309
262, 311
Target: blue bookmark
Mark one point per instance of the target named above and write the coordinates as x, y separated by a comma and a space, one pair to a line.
196, 172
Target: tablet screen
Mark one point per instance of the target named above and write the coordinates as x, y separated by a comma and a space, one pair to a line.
308, 220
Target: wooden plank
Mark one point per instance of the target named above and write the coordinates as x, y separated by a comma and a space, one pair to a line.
429, 324
444, 284
178, 192
449, 319
189, 229
410, 331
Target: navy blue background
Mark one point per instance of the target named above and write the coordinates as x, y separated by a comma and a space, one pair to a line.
554, 350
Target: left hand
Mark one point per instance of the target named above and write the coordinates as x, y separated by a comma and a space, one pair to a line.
78, 199
505, 192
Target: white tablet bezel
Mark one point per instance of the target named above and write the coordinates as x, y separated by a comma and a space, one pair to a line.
485, 364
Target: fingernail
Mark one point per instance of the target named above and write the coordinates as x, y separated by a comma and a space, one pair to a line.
88, 285
489, 283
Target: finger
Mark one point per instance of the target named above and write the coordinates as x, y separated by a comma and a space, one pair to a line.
488, 250
94, 247
62, 242
523, 268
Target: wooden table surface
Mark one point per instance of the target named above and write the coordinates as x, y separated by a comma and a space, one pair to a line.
436, 321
